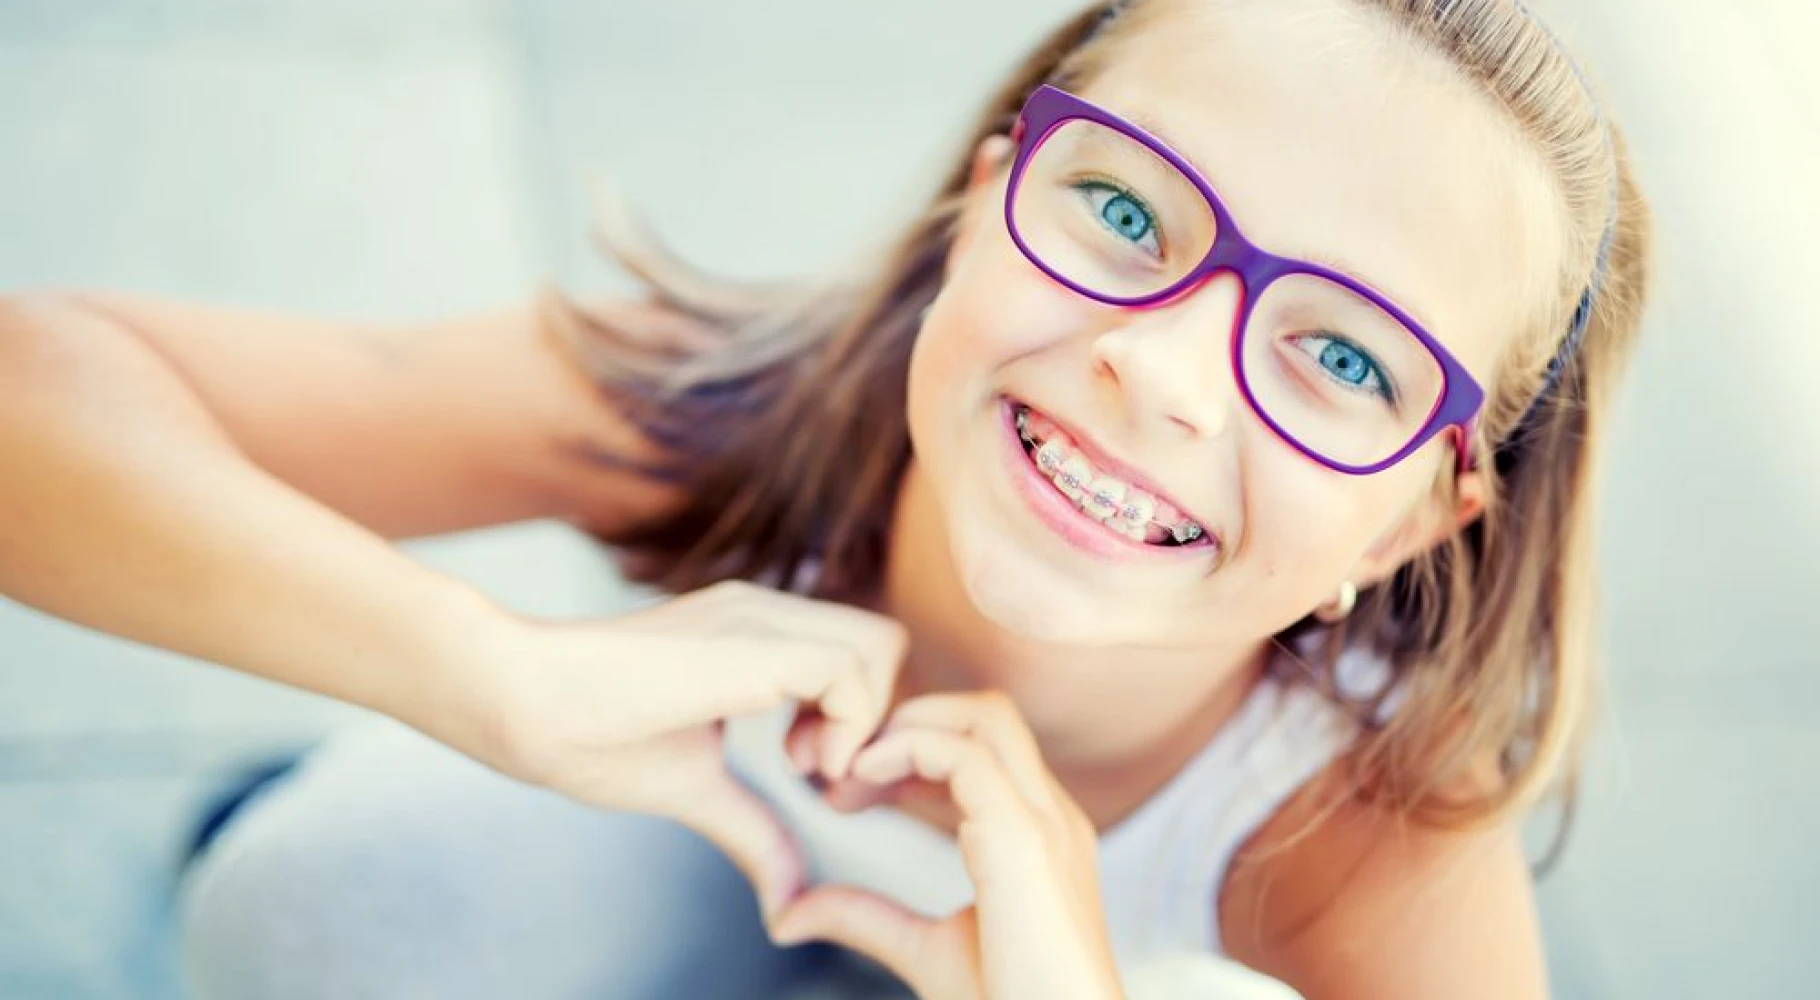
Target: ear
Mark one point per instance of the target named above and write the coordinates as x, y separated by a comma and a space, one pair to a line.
1424, 527
992, 153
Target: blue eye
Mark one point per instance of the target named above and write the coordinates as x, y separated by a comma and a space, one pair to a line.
1122, 212
1348, 364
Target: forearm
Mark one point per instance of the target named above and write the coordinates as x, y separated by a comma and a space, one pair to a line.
123, 507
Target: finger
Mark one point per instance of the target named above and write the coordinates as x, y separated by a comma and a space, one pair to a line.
854, 699
840, 743
933, 959
765, 671
854, 708
851, 708
816, 744
879, 641
802, 743
699, 679
992, 718
924, 799
976, 781
1024, 904
851, 795
802, 747
927, 801
750, 834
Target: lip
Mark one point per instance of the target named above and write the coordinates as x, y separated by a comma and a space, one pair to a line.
1067, 520
1106, 462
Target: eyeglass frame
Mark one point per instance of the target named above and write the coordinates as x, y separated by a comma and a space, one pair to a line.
1048, 108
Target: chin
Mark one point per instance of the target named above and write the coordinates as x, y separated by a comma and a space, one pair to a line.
1019, 594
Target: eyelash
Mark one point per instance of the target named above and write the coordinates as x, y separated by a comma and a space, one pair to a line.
1386, 390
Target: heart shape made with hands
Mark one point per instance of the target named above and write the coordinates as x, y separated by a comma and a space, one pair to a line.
967, 764
810, 750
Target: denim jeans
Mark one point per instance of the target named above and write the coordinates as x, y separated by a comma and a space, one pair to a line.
385, 865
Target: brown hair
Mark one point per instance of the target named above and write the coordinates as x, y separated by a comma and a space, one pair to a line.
782, 412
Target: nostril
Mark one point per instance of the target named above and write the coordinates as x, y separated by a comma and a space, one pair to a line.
1103, 359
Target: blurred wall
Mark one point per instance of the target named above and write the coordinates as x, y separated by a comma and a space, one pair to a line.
407, 158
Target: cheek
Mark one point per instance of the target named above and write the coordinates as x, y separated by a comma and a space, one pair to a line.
994, 310
995, 305
1308, 527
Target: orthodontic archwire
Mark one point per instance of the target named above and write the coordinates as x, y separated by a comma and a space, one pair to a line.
1183, 532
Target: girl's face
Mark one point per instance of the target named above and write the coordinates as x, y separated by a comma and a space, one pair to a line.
1328, 139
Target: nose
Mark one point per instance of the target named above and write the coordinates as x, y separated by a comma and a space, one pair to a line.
1172, 364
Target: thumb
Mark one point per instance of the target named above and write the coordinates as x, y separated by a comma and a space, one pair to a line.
928, 956
745, 829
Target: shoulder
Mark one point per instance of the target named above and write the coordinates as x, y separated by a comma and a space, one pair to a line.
1342, 898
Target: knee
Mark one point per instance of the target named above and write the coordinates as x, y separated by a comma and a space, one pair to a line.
261, 917
306, 894
448, 889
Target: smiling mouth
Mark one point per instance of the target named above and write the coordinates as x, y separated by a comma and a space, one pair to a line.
1124, 508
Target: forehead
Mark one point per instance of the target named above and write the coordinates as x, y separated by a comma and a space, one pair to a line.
1331, 138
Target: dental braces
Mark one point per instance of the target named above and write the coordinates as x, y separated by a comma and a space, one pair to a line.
1183, 532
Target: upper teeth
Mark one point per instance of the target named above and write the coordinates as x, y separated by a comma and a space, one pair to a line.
1121, 506
1075, 475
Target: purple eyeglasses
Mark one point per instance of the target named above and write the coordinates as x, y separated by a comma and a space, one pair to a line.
1336, 369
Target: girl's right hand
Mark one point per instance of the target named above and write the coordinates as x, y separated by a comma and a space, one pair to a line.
627, 713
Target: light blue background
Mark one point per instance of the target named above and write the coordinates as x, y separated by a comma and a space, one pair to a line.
394, 159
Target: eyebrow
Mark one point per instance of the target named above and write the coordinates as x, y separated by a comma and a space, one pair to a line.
1332, 263
1161, 134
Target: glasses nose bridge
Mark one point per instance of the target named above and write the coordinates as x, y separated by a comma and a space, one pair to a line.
1208, 272
1231, 253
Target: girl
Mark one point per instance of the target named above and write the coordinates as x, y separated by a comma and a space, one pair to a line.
1184, 533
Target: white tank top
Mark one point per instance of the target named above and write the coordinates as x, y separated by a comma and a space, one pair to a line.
1161, 868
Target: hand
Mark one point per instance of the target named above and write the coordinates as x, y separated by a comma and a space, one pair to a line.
627, 713
1036, 928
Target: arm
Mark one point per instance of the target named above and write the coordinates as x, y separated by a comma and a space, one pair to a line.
407, 429
217, 483
1353, 904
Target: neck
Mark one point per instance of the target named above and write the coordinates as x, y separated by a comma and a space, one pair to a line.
1113, 722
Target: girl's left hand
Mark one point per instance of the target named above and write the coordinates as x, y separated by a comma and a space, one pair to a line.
1036, 927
